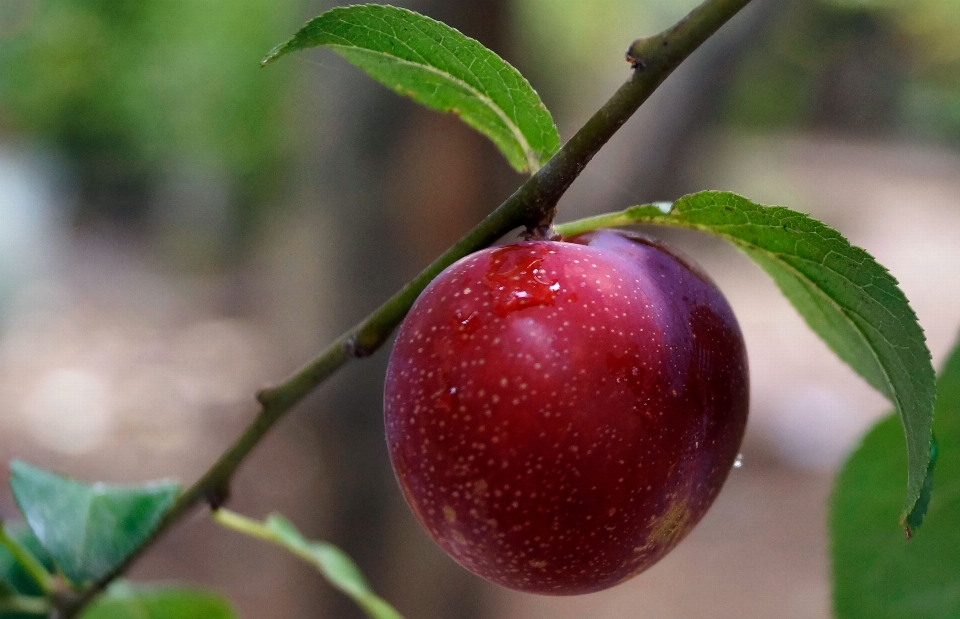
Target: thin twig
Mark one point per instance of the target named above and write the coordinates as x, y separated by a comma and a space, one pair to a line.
533, 205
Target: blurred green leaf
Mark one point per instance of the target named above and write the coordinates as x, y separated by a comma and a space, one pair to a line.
11, 572
14, 580
25, 574
14, 606
846, 297
149, 80
440, 68
145, 95
88, 529
338, 568
877, 573
125, 601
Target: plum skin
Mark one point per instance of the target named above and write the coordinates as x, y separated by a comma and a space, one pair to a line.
559, 415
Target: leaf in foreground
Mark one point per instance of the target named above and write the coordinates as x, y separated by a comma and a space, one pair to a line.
440, 68
334, 564
12, 573
877, 574
9, 607
846, 297
126, 601
13, 606
88, 529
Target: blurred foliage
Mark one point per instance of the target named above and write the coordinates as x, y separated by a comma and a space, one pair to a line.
868, 66
861, 65
877, 573
574, 52
12, 575
931, 25
129, 88
125, 600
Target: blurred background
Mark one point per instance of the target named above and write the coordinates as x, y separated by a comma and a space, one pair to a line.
179, 227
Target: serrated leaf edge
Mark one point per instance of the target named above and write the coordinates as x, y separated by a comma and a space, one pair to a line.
532, 157
671, 218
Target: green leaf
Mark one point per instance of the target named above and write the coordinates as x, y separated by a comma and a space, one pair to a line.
846, 297
338, 568
334, 564
11, 572
125, 601
23, 607
440, 68
14, 579
88, 529
877, 573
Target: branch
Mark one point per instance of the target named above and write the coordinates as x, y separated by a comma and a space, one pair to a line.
533, 205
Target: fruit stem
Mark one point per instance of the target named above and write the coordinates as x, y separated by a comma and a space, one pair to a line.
247, 526
532, 206
607, 220
244, 525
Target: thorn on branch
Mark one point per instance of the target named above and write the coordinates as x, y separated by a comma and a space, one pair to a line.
542, 229
355, 349
263, 396
540, 233
644, 51
633, 54
218, 496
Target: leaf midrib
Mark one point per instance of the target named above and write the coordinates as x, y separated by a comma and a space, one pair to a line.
83, 548
533, 164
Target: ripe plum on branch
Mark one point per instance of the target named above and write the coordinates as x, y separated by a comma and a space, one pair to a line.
561, 414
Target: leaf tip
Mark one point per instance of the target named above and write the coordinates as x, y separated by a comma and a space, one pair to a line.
913, 518
273, 54
20, 468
